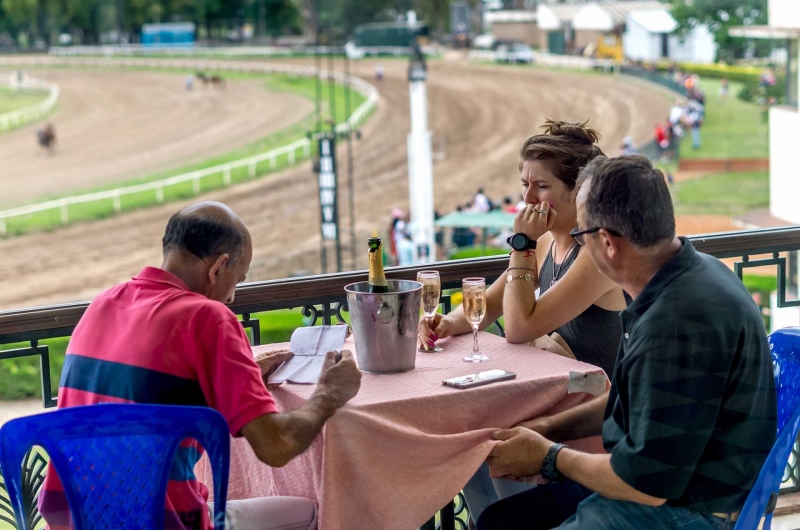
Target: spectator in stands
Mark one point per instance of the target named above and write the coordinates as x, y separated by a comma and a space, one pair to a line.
723, 88
406, 250
576, 313
481, 203
628, 147
676, 112
509, 206
695, 121
396, 228
660, 138
175, 342
462, 236
685, 380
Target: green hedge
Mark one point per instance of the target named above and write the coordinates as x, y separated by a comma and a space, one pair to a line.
747, 75
477, 252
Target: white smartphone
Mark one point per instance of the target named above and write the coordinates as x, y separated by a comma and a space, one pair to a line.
479, 379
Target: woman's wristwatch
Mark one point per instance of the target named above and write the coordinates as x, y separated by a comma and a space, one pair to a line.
521, 242
549, 470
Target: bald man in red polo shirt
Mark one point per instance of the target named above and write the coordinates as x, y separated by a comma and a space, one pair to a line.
167, 337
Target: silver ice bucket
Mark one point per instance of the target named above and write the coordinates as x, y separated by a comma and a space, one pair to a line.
385, 325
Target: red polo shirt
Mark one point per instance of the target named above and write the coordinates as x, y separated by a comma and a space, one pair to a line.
151, 340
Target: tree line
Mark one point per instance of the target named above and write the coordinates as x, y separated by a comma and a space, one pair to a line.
25, 22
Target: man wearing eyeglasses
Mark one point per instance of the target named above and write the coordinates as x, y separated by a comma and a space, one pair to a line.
691, 415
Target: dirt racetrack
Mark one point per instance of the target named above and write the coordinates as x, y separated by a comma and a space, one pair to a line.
483, 112
118, 125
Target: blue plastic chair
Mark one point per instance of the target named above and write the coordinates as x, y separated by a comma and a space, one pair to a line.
785, 347
114, 460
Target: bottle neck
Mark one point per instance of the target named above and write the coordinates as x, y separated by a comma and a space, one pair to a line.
376, 274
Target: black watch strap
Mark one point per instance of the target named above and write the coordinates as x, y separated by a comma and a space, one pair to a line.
549, 470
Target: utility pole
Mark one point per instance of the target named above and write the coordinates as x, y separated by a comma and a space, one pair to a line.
420, 163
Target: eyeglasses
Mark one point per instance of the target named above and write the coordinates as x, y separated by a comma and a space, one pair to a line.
578, 235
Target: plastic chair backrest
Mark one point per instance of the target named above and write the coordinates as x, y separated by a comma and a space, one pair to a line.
114, 460
769, 479
785, 347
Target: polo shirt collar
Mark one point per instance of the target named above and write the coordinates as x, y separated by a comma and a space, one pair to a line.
154, 274
674, 267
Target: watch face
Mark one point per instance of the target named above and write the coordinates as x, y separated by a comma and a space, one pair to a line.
519, 241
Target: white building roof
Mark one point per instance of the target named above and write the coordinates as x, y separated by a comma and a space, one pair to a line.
593, 17
655, 21
555, 16
493, 17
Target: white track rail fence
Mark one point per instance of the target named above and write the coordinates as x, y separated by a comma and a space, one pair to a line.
31, 112
157, 187
226, 51
570, 62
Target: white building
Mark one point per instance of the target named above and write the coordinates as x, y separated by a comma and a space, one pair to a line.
784, 124
643, 28
649, 37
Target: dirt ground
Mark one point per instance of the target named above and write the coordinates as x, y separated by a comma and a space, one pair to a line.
483, 113
118, 125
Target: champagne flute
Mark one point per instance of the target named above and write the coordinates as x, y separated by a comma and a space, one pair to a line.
431, 291
474, 292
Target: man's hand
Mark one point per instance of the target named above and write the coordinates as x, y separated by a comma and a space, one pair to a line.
534, 220
520, 452
269, 361
542, 425
339, 380
442, 328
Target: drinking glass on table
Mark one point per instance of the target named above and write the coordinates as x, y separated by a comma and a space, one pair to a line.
431, 291
474, 302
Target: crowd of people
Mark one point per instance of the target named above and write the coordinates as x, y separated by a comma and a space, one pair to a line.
685, 117
686, 423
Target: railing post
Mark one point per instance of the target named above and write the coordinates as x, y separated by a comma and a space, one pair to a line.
160, 194
307, 149
226, 176
64, 212
252, 170
272, 162
3, 229
117, 204
196, 185
291, 157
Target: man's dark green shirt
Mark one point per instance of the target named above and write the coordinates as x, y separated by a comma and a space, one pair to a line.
691, 416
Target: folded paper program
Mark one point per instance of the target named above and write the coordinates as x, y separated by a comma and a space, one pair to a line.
309, 346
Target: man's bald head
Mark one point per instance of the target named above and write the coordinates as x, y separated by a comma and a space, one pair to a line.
207, 229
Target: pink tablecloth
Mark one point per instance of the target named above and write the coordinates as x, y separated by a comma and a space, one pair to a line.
406, 444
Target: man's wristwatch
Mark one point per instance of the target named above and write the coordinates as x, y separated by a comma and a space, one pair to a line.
521, 242
549, 470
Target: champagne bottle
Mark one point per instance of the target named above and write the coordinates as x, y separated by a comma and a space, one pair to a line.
377, 279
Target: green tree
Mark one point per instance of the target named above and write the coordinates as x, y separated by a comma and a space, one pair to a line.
720, 16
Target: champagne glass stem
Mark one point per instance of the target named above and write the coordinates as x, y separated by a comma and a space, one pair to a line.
475, 350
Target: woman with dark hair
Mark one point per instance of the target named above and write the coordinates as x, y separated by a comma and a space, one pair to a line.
576, 312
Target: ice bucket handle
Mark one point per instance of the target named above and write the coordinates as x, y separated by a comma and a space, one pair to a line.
385, 313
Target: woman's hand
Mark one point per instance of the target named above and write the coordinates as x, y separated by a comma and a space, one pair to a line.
535, 220
427, 337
